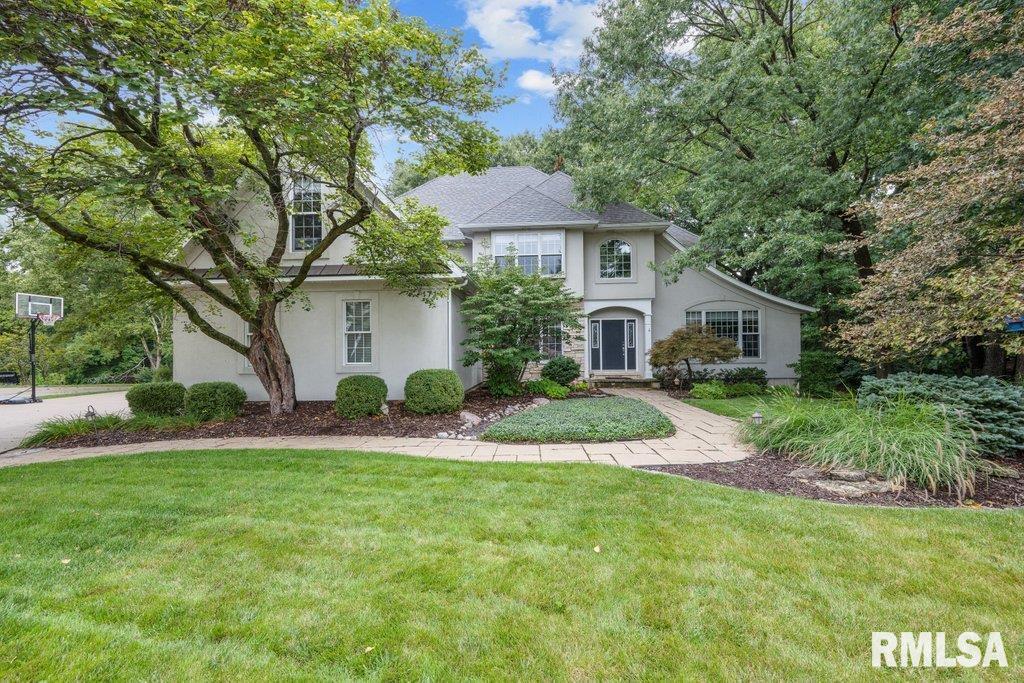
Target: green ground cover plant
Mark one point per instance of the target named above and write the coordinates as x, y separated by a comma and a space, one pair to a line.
272, 565
615, 418
902, 440
548, 388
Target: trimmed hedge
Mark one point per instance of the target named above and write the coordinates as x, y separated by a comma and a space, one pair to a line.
561, 369
214, 401
359, 396
994, 408
434, 391
157, 398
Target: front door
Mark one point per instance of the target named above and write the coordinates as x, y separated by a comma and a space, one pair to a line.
613, 345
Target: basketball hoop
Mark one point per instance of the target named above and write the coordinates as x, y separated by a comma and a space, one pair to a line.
48, 319
38, 308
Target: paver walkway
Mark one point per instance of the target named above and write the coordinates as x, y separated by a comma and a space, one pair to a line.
701, 437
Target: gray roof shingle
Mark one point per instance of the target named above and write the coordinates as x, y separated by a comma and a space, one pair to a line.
528, 206
511, 195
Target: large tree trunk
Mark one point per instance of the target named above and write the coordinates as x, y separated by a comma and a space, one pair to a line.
272, 365
861, 254
995, 357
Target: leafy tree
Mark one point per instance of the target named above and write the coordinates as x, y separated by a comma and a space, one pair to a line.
758, 123
174, 116
505, 314
953, 228
544, 152
692, 343
108, 307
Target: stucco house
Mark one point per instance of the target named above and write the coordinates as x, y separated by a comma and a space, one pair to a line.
349, 324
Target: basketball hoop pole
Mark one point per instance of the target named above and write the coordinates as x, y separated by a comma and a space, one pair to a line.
32, 355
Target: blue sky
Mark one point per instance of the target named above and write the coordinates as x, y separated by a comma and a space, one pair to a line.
533, 37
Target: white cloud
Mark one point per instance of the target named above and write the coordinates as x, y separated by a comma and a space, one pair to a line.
537, 82
505, 27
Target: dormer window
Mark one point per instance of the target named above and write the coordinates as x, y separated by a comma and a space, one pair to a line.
534, 252
616, 260
307, 221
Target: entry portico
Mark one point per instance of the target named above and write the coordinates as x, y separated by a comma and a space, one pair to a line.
617, 338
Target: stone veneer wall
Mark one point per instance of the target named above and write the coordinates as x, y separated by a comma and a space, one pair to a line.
572, 347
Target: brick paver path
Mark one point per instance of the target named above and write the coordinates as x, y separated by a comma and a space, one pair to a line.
701, 437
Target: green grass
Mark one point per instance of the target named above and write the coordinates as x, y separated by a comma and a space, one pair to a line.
58, 428
583, 419
903, 441
739, 408
262, 565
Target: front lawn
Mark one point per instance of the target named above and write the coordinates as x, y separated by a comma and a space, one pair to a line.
256, 565
614, 418
739, 408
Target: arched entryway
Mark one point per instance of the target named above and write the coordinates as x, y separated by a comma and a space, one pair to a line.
617, 341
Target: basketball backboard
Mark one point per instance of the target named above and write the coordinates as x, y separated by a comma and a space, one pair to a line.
36, 305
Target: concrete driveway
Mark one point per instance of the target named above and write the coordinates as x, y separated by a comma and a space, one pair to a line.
18, 421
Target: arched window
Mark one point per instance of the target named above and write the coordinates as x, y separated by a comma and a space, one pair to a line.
616, 260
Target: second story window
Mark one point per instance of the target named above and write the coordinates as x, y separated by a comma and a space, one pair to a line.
307, 221
616, 260
534, 252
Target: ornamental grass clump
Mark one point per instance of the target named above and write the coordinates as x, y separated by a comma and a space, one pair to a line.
904, 441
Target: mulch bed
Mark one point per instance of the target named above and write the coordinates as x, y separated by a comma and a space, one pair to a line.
315, 418
767, 472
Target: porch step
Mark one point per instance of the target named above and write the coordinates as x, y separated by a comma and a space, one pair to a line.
623, 383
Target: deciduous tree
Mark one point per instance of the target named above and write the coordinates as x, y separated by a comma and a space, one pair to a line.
692, 343
133, 127
952, 228
505, 313
755, 123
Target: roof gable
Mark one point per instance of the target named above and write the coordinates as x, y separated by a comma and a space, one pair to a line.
526, 207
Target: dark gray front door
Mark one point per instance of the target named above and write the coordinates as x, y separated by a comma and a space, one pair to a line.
613, 344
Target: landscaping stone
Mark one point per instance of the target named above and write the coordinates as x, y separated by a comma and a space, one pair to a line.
539, 401
805, 473
472, 419
853, 489
843, 474
442, 435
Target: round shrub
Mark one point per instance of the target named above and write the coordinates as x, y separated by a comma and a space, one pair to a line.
359, 396
561, 369
214, 401
157, 398
713, 389
434, 391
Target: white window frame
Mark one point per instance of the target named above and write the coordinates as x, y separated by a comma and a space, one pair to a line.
515, 238
739, 329
561, 342
342, 365
292, 214
600, 270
